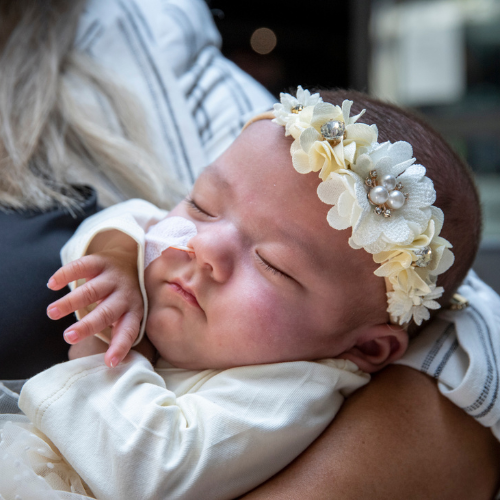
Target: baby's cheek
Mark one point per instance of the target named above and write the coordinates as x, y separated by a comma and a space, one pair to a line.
263, 317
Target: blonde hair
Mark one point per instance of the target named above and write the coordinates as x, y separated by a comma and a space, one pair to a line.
50, 141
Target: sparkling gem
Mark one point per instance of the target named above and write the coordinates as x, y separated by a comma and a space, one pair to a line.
369, 182
389, 182
379, 195
424, 257
387, 213
296, 109
396, 199
378, 210
332, 130
399, 186
406, 195
373, 173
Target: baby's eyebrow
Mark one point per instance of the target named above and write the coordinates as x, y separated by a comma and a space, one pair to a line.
217, 177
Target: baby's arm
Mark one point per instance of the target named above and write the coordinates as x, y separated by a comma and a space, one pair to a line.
221, 433
104, 264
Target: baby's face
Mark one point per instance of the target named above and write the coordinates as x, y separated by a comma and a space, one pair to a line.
269, 279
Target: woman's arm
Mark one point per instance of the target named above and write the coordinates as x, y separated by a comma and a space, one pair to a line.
396, 438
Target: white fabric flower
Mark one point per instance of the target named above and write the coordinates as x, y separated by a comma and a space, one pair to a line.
373, 232
404, 306
283, 110
312, 153
402, 257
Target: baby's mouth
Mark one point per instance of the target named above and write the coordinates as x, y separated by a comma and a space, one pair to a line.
185, 293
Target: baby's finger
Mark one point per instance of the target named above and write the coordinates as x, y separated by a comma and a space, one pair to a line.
105, 314
84, 268
81, 297
125, 333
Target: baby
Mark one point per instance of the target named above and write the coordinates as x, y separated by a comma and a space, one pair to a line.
273, 280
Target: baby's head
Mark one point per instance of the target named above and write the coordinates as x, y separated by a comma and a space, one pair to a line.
269, 279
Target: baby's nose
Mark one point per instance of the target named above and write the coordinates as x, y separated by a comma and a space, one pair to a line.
215, 250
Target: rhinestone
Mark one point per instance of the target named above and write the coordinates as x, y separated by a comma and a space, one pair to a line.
387, 213
379, 211
333, 130
424, 257
369, 182
406, 195
399, 186
297, 108
373, 174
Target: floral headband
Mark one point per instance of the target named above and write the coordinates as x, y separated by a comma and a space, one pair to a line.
378, 191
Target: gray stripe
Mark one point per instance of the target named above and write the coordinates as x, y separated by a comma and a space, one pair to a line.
165, 95
93, 39
187, 28
206, 91
87, 33
436, 348
152, 93
238, 94
446, 358
200, 70
205, 131
489, 376
495, 392
142, 19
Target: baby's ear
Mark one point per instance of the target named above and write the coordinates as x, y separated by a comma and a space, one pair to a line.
377, 346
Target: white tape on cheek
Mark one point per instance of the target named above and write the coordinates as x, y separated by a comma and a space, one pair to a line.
169, 232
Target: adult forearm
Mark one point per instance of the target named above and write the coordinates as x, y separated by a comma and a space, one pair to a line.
396, 438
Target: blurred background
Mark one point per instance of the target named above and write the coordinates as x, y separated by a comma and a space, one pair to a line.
441, 57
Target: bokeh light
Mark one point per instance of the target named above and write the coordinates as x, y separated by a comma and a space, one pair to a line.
263, 40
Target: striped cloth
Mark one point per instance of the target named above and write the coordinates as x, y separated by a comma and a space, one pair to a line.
167, 53
461, 350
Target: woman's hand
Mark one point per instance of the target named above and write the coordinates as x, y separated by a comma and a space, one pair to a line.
112, 285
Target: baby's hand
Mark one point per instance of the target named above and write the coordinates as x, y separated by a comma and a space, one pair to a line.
111, 283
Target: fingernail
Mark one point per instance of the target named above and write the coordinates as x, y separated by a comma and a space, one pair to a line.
51, 283
70, 337
53, 313
114, 362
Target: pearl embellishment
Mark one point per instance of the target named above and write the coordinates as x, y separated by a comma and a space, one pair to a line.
385, 194
379, 195
389, 182
396, 200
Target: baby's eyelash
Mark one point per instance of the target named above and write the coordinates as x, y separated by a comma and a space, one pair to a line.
195, 207
272, 269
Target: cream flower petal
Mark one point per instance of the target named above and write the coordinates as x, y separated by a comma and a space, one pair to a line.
330, 190
321, 158
324, 112
308, 138
350, 153
300, 161
306, 98
335, 220
360, 133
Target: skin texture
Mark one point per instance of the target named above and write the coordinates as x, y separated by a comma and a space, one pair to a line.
396, 438
269, 280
